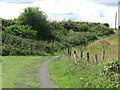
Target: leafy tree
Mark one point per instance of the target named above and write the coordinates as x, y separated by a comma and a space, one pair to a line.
21, 30
38, 20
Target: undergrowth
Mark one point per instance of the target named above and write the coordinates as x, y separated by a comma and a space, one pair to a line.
78, 73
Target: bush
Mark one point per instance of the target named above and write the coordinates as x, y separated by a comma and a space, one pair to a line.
14, 45
56, 26
21, 30
106, 24
7, 22
80, 39
84, 28
119, 27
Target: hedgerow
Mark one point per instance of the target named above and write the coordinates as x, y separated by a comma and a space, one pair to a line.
14, 45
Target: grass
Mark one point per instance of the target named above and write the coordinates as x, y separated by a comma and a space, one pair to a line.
110, 45
67, 72
21, 71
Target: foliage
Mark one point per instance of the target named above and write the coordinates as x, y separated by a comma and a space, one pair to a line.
78, 73
57, 26
68, 25
118, 27
81, 27
7, 22
33, 24
38, 20
106, 24
100, 30
82, 38
59, 35
14, 45
21, 30
84, 28
111, 70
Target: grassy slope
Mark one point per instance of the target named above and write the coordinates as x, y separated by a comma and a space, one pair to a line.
77, 73
21, 71
110, 45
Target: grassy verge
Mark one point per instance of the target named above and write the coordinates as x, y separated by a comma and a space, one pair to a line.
21, 71
78, 73
68, 72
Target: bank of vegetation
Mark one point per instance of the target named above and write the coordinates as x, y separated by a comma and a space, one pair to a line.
33, 34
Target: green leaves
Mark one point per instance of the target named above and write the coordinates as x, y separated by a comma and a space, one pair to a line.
38, 20
84, 28
14, 45
21, 30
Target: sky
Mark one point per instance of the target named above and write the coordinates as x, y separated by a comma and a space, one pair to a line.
102, 11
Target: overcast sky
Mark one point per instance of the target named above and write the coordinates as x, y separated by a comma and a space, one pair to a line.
83, 10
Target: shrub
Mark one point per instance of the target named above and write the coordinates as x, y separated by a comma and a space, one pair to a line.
106, 24
7, 22
119, 27
84, 28
56, 26
15, 45
21, 30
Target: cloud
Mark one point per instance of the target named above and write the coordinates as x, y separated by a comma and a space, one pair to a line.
10, 10
82, 10
21, 2
106, 2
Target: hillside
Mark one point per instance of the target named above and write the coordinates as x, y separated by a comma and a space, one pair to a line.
108, 44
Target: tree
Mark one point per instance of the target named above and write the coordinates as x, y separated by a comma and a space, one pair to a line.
38, 20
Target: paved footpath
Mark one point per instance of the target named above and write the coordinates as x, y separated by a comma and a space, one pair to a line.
44, 79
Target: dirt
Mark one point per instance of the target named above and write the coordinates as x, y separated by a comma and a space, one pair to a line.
44, 79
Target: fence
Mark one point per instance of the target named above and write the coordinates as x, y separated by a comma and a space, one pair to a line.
87, 55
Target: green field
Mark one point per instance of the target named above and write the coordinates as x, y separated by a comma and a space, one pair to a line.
21, 71
68, 72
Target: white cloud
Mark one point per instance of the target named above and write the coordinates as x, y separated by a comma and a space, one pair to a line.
10, 11
65, 9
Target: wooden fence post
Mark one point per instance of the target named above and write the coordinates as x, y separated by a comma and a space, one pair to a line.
81, 54
96, 59
74, 54
88, 56
103, 53
69, 51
